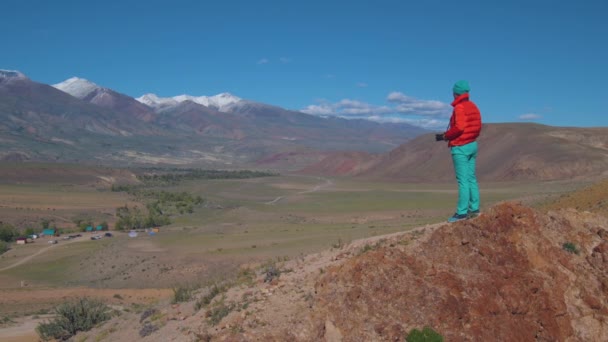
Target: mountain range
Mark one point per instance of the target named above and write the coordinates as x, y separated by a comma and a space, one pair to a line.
79, 121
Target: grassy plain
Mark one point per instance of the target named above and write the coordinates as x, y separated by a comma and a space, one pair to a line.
241, 222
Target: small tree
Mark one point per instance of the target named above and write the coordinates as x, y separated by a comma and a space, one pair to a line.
80, 315
3, 247
82, 226
8, 233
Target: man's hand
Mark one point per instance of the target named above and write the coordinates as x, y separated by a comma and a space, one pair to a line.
439, 137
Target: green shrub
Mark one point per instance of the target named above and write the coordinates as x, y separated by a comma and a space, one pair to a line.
216, 314
70, 318
426, 335
3, 246
181, 294
570, 247
8, 233
206, 300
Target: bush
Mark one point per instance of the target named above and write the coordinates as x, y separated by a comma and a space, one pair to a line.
80, 315
216, 314
181, 294
7, 232
206, 300
570, 247
271, 273
3, 247
426, 335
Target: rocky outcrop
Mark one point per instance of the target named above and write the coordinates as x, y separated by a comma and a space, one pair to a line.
505, 276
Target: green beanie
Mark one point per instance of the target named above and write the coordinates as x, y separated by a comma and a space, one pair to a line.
461, 87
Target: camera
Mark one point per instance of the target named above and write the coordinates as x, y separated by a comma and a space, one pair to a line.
439, 137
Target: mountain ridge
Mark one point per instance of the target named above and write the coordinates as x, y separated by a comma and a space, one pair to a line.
507, 152
44, 123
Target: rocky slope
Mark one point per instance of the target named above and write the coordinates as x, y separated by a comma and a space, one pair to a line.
505, 276
507, 152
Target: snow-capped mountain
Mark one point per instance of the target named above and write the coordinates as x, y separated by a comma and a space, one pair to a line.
221, 102
90, 92
77, 87
151, 100
11, 75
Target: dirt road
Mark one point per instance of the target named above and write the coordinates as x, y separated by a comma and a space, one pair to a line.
30, 257
326, 184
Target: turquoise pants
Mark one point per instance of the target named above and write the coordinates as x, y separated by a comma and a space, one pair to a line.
464, 166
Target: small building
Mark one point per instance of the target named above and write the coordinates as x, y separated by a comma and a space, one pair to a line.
21, 240
155, 230
89, 228
49, 232
99, 228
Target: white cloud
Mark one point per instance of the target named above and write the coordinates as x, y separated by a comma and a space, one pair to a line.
401, 108
264, 61
411, 105
320, 110
346, 108
530, 117
361, 84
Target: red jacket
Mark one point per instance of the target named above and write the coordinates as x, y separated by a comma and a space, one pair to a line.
465, 123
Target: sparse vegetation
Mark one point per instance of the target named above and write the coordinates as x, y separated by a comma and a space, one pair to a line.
272, 272
167, 177
80, 315
181, 294
160, 207
6, 320
570, 247
366, 248
155, 179
426, 335
206, 299
216, 314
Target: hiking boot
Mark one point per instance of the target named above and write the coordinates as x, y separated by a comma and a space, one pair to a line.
473, 214
457, 217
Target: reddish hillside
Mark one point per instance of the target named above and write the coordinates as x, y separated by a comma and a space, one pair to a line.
343, 164
506, 152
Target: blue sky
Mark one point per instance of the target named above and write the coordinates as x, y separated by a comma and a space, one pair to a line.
540, 61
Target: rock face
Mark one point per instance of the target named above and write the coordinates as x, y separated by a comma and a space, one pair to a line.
504, 276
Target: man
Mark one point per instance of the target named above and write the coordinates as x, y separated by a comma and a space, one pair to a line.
464, 128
